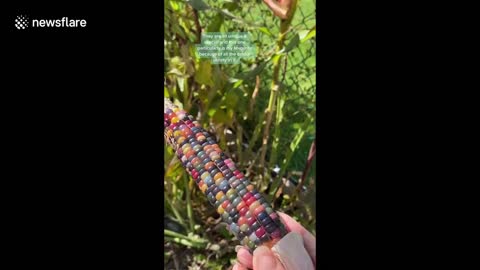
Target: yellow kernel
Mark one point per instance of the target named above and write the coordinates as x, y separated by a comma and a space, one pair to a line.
180, 140
230, 192
217, 176
254, 205
220, 195
220, 210
219, 181
185, 151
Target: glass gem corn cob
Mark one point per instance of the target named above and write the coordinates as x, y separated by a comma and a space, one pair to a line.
247, 214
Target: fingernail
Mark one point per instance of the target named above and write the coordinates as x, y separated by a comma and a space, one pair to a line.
263, 258
237, 248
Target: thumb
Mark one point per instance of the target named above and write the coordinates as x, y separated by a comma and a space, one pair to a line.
264, 259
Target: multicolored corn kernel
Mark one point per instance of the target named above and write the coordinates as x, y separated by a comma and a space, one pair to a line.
248, 216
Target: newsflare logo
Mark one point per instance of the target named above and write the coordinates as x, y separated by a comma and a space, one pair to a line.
23, 22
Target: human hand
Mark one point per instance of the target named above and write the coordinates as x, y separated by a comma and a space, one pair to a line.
264, 258
280, 8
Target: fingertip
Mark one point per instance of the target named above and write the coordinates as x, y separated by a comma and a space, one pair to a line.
309, 240
244, 257
238, 266
288, 219
292, 224
238, 247
261, 251
263, 258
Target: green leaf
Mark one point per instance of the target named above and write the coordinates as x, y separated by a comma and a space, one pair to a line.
265, 30
181, 83
177, 29
175, 71
219, 78
254, 72
198, 4
293, 43
305, 35
174, 5
221, 117
231, 5
230, 114
211, 111
302, 34
257, 70
185, 52
227, 13
231, 99
237, 83
215, 24
204, 73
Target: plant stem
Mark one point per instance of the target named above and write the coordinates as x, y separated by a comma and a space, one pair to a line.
198, 33
175, 212
293, 147
254, 96
273, 94
181, 236
189, 204
184, 240
311, 155
277, 130
239, 144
